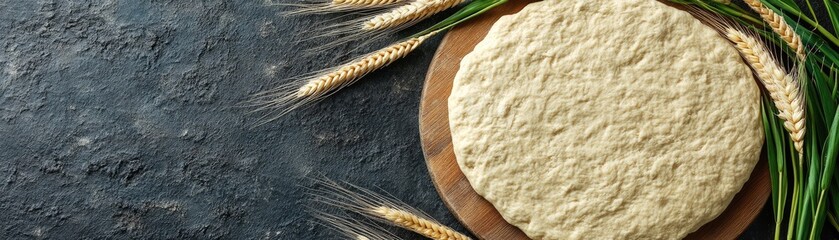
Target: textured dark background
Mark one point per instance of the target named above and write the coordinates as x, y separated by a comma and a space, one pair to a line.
119, 119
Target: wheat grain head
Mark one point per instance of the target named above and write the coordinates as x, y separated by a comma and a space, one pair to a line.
411, 12
417, 224
351, 72
777, 23
783, 88
370, 21
381, 208
307, 89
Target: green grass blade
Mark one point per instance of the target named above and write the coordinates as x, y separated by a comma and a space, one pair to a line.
831, 150
833, 221
833, 13
810, 195
771, 157
834, 197
795, 198
469, 11
812, 12
825, 175
820, 106
776, 161
790, 5
734, 10
835, 76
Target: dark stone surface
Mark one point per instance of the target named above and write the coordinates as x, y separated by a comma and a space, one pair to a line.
119, 120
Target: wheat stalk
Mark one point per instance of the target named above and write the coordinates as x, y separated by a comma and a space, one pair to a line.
417, 224
350, 72
784, 88
780, 26
414, 11
365, 2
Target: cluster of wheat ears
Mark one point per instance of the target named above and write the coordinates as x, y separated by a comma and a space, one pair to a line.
376, 17
798, 104
783, 87
787, 90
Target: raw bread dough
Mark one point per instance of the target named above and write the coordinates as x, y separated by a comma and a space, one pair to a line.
603, 119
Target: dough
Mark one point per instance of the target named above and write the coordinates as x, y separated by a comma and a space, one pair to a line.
603, 119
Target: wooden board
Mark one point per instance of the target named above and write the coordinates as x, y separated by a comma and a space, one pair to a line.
478, 215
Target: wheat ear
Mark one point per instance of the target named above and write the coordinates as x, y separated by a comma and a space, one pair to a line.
297, 93
380, 208
780, 26
417, 224
414, 11
784, 88
380, 19
354, 70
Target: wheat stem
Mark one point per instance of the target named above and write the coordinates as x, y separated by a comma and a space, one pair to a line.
784, 88
418, 224
414, 11
780, 26
356, 69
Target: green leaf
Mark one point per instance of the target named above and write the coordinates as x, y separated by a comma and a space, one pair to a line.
807, 212
790, 5
811, 39
775, 157
832, 220
469, 11
772, 158
825, 174
812, 12
818, 98
831, 150
833, 13
834, 196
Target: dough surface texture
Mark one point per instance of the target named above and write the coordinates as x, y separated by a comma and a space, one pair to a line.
603, 119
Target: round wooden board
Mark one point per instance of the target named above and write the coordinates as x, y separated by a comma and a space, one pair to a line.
478, 215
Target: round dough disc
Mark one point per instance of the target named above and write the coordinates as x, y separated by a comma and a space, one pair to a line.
603, 119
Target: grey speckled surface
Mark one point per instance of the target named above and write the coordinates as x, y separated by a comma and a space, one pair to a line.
118, 119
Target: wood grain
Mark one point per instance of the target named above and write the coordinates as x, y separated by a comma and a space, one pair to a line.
478, 215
